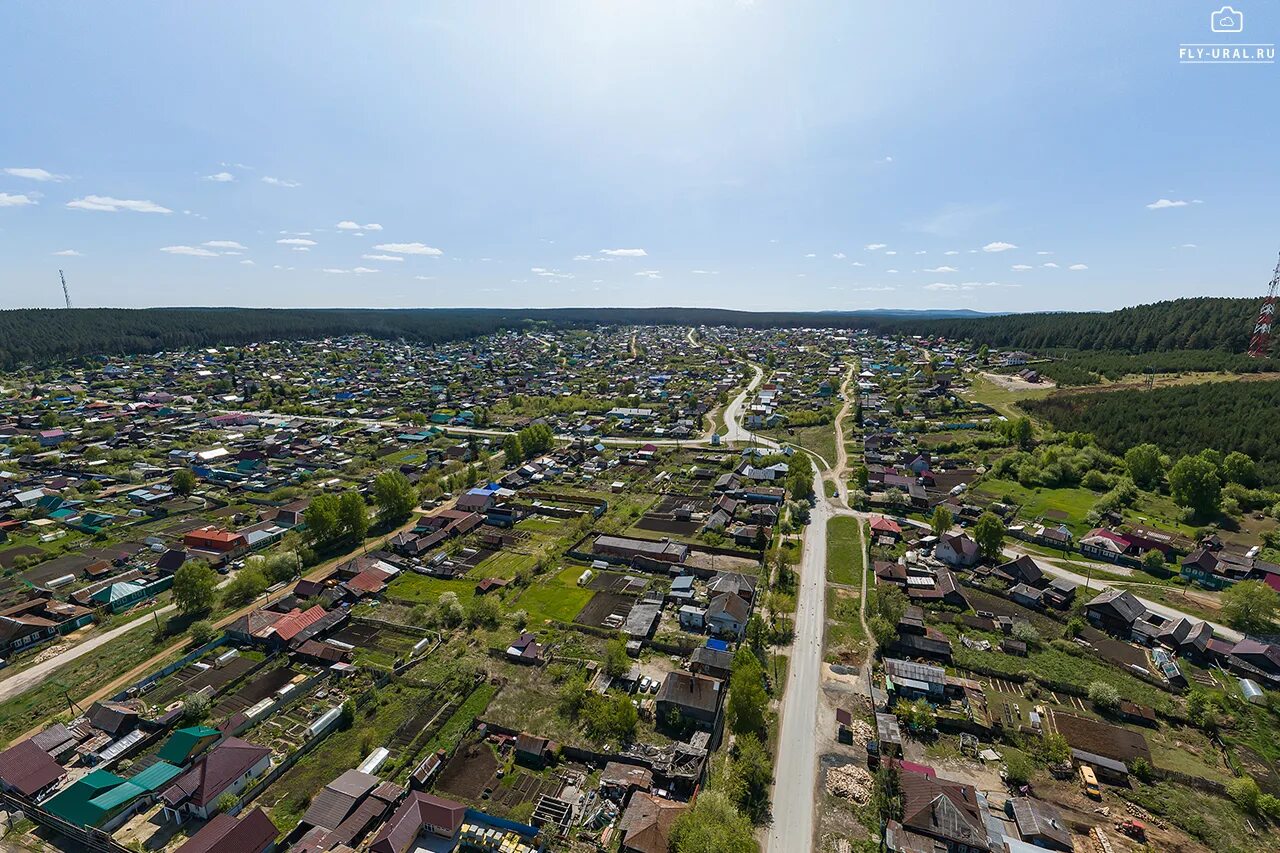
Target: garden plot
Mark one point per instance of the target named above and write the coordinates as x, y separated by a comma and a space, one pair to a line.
472, 775
192, 678
254, 691
469, 771
606, 609
1102, 738
376, 646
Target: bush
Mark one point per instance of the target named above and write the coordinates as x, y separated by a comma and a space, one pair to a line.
1104, 696
202, 632
1245, 793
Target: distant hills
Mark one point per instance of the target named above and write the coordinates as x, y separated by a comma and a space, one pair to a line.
48, 335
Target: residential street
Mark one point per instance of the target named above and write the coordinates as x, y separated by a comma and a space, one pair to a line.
796, 768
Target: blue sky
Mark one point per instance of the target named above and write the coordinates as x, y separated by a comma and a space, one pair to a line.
770, 155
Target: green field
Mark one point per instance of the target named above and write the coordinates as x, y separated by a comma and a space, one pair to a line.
504, 564
420, 589
550, 600
844, 551
1036, 503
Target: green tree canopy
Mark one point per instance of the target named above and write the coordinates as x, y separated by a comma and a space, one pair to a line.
393, 495
1250, 606
1144, 465
989, 534
713, 825
195, 587
1194, 482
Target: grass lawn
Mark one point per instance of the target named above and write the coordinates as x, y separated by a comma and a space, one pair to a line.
844, 551
1001, 399
1075, 503
420, 589
819, 439
504, 564
550, 600
1215, 821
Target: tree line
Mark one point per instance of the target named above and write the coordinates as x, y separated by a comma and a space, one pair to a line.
44, 335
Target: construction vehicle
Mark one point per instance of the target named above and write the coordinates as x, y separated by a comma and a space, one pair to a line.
1135, 829
1089, 782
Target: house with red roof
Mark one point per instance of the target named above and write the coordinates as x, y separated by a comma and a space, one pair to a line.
227, 768
253, 833
419, 813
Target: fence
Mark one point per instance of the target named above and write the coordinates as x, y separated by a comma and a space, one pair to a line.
169, 669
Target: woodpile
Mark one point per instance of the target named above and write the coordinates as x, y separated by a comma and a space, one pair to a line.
861, 731
850, 782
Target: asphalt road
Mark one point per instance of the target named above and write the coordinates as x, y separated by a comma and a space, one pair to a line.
733, 412
796, 769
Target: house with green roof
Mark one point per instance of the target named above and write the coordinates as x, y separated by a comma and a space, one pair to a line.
104, 800
124, 594
185, 744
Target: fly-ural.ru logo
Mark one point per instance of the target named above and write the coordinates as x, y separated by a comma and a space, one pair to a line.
1227, 21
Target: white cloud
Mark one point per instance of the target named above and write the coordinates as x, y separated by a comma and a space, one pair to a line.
874, 288
425, 277
546, 273
871, 247
108, 204
998, 246
583, 257
1187, 246
885, 160
279, 182
1050, 265
334, 271
395, 258
34, 174
408, 249
223, 244
705, 272
922, 252
194, 251
839, 256
1020, 267
221, 178
1162, 203
296, 241
67, 253
650, 273
942, 269
891, 252
941, 285
858, 264
625, 253
302, 248
348, 225
363, 270
951, 252
811, 255
1044, 253
7, 200
1078, 267
248, 262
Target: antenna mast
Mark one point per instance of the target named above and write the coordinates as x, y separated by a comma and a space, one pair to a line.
1260, 344
66, 295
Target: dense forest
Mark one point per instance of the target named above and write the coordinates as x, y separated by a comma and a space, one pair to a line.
1180, 419
1199, 323
1090, 368
44, 335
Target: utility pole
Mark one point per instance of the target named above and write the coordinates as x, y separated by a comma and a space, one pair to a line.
66, 295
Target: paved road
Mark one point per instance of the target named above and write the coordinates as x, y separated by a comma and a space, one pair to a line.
797, 764
733, 413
